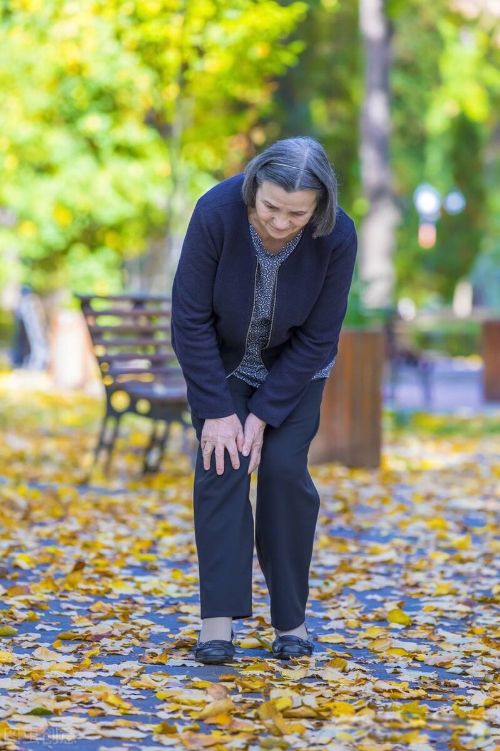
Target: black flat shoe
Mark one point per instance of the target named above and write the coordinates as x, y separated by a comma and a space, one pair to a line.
214, 652
287, 646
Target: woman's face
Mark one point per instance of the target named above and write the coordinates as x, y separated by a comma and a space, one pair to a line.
281, 213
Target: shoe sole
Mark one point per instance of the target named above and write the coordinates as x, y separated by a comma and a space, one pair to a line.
288, 655
214, 660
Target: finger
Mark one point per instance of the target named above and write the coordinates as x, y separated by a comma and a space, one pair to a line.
207, 455
232, 450
219, 459
254, 459
254, 463
240, 438
247, 442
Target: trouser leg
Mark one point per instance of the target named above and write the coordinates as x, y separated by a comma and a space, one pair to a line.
224, 529
287, 510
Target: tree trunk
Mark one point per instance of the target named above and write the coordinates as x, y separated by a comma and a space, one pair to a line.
377, 230
153, 271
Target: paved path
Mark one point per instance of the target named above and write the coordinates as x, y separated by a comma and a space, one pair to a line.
401, 604
456, 387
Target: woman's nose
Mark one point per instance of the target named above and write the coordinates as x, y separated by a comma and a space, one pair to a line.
281, 224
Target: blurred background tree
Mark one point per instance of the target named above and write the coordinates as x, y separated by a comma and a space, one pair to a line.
118, 113
444, 82
446, 90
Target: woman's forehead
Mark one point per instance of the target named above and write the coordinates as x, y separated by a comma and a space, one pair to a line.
298, 200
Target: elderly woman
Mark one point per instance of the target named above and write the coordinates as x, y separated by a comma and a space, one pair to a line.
259, 297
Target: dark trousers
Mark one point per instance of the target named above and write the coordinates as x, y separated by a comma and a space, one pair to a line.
285, 521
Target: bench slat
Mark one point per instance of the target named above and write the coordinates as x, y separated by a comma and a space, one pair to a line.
131, 313
129, 342
101, 329
125, 357
132, 297
127, 370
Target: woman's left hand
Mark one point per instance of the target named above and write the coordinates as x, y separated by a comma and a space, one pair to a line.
252, 443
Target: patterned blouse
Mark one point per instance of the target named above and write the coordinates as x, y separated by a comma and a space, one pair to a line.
252, 369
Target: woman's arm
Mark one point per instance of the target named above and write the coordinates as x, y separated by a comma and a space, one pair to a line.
193, 332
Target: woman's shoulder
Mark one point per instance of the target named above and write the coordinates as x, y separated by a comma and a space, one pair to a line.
223, 194
344, 226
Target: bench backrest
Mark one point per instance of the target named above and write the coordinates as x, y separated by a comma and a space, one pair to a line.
130, 335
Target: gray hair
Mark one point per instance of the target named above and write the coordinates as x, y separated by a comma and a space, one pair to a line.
296, 164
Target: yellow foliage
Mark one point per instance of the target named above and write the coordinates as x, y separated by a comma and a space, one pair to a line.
62, 215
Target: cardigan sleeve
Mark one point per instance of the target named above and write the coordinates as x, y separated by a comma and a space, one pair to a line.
312, 345
193, 333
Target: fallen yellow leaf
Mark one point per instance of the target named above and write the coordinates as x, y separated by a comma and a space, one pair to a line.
331, 638
6, 658
116, 701
340, 708
218, 707
462, 543
373, 631
250, 642
165, 729
398, 616
7, 631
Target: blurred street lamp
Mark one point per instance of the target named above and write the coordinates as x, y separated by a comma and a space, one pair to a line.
427, 200
454, 202
426, 235
428, 203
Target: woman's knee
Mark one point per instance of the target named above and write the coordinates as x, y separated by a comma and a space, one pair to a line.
278, 465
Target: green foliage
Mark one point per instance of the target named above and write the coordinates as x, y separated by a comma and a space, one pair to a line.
117, 113
112, 108
445, 86
456, 338
6, 328
445, 90
80, 166
357, 315
321, 96
427, 424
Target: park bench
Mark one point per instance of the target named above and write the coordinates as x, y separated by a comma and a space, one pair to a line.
401, 355
130, 336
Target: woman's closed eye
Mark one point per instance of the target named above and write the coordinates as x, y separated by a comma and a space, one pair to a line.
293, 213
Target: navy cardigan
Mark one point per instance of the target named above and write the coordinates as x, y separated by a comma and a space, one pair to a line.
213, 298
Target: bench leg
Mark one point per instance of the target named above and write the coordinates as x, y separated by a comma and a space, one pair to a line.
157, 443
104, 444
391, 374
426, 380
109, 444
189, 444
99, 445
106, 441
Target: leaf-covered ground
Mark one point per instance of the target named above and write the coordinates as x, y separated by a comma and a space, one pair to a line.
98, 590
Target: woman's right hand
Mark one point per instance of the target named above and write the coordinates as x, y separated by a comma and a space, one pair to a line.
221, 434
